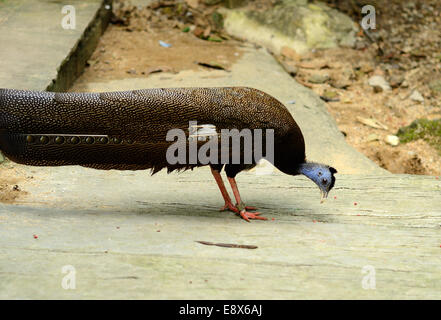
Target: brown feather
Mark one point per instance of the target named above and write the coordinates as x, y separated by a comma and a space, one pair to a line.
139, 121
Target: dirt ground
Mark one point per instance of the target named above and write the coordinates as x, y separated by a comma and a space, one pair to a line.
11, 177
404, 50
121, 54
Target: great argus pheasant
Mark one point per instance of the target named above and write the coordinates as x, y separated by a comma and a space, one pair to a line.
129, 131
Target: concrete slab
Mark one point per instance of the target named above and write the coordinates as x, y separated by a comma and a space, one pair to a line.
35, 45
129, 235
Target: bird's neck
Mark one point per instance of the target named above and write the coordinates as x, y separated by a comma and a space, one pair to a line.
308, 169
291, 167
290, 152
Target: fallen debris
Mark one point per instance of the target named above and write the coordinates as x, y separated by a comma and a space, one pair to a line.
212, 65
227, 245
158, 69
164, 44
372, 137
379, 84
374, 123
416, 96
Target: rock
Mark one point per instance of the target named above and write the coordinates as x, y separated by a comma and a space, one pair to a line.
207, 32
313, 64
296, 24
348, 73
360, 45
396, 80
435, 86
392, 140
340, 83
377, 89
405, 84
329, 95
416, 96
366, 67
358, 74
290, 53
378, 71
289, 67
372, 137
192, 3
198, 32
379, 83
406, 49
318, 78
418, 53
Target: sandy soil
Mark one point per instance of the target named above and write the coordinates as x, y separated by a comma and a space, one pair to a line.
393, 109
11, 177
404, 49
121, 54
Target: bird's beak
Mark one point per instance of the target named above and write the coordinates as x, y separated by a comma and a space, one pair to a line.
324, 196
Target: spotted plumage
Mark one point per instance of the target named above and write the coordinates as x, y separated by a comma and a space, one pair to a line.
127, 130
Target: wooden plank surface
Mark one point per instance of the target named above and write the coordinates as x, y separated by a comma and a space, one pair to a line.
129, 235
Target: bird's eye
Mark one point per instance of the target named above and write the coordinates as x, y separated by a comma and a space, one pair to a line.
320, 173
324, 181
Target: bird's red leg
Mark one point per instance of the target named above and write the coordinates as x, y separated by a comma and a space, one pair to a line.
220, 183
243, 210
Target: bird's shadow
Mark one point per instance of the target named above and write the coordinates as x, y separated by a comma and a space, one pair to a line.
165, 209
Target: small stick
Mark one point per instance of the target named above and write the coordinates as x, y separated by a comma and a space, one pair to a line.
228, 245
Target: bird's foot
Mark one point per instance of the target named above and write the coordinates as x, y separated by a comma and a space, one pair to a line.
234, 208
246, 215
242, 210
250, 215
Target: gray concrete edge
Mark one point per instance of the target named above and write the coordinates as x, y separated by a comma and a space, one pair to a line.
75, 62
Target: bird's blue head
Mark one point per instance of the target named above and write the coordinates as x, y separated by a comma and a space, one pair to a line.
321, 174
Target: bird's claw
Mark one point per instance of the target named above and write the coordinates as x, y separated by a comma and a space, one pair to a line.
251, 215
242, 210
